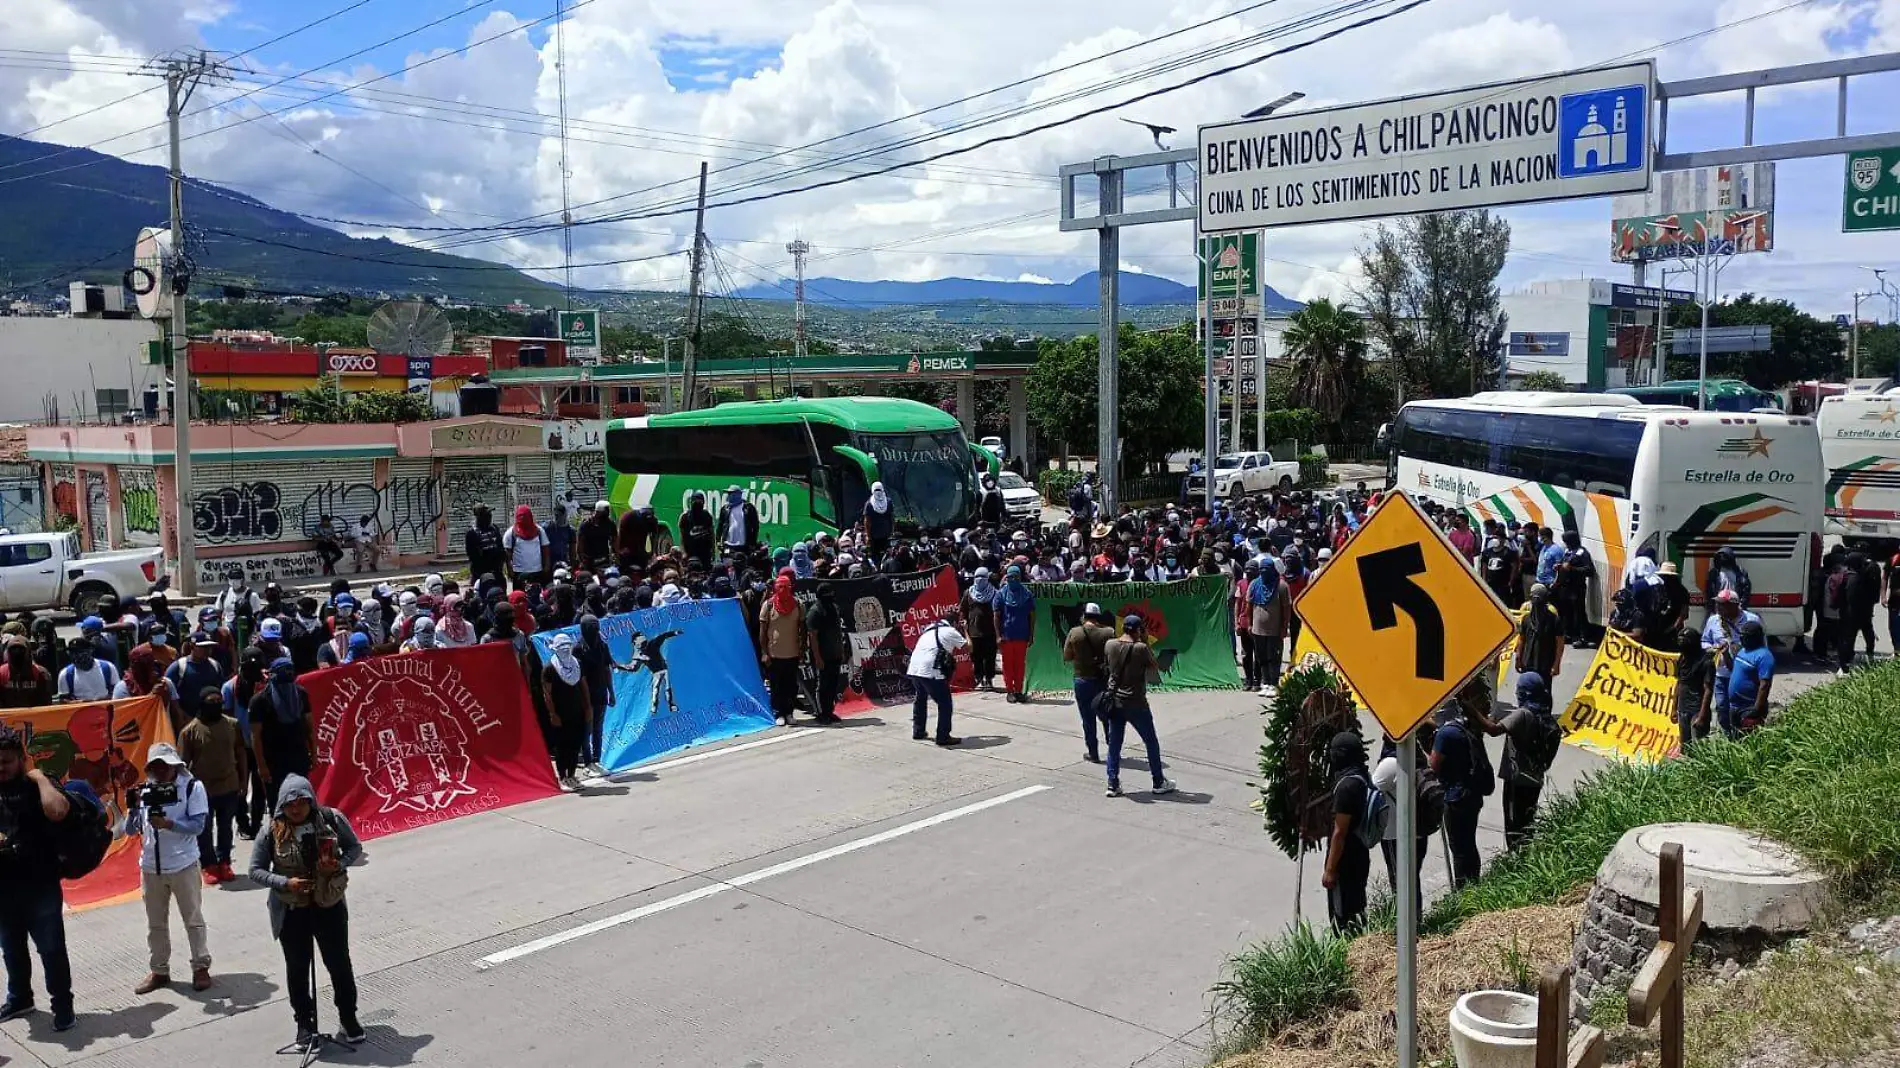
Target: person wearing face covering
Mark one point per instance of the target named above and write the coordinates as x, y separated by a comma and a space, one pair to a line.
283, 731
1014, 609
1540, 639
86, 678
878, 521
527, 547
830, 650
564, 687
455, 631
1269, 605
738, 524
421, 636
697, 530
801, 560
1348, 856
213, 748
253, 673
977, 602
782, 640
303, 860
23, 683
597, 669
524, 617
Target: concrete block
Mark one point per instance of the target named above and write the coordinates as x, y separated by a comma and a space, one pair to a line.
1748, 882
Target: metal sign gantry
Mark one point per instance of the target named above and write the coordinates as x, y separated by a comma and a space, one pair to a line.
1111, 214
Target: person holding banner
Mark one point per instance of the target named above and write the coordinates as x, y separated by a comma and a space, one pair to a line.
1721, 637
31, 902
1014, 609
783, 643
569, 705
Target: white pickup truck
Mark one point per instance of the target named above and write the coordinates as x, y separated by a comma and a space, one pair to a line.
1243, 473
42, 571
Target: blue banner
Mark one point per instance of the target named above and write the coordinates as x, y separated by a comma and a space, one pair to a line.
683, 674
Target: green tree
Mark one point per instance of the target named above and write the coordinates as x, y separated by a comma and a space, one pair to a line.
1545, 381
1803, 347
1431, 298
350, 331
1327, 345
1161, 404
1880, 350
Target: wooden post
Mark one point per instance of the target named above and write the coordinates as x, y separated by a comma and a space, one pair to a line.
1556, 1047
1658, 986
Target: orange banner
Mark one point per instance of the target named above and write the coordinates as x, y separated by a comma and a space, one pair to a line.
102, 743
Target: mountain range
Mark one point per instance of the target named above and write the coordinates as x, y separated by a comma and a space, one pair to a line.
71, 213
1137, 290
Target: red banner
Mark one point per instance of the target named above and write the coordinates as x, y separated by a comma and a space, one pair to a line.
410, 740
102, 744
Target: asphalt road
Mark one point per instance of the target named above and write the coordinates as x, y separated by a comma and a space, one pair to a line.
833, 898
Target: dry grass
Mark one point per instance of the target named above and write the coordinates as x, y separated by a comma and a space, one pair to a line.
1477, 956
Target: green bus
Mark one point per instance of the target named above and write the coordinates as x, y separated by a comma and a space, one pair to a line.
1725, 395
806, 465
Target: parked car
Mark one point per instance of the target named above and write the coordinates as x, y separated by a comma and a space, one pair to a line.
995, 445
1020, 499
41, 571
1243, 473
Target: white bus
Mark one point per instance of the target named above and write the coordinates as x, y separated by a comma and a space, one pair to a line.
1626, 476
1860, 444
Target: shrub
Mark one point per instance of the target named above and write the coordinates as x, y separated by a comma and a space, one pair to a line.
1055, 484
1296, 976
1313, 470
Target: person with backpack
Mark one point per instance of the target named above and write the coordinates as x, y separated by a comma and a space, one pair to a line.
481, 542
1129, 669
1863, 595
1085, 649
303, 857
1460, 761
86, 678
1361, 816
33, 813
1532, 738
169, 864
1726, 573
1428, 813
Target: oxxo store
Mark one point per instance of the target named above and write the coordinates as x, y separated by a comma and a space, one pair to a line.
260, 490
275, 369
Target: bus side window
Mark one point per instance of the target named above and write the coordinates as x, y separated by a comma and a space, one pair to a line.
824, 505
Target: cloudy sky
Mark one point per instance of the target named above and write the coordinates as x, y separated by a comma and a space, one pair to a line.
777, 94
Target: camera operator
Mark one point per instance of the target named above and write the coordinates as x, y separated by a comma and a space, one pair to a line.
31, 904
303, 857
170, 811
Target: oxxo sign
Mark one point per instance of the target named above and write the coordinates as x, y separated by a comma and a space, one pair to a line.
351, 363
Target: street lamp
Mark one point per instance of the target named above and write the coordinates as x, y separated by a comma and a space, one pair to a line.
1888, 290
1264, 110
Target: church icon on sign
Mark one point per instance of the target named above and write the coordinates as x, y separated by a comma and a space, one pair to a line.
1603, 132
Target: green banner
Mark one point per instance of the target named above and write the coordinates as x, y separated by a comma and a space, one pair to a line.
1189, 626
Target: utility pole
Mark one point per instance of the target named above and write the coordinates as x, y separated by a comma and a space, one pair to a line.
1853, 337
689, 363
182, 74
567, 217
798, 249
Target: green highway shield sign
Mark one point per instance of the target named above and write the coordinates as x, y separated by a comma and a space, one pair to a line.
1872, 200
580, 329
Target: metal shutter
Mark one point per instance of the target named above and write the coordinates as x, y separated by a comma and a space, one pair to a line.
255, 503
412, 505
581, 477
468, 482
96, 506
534, 484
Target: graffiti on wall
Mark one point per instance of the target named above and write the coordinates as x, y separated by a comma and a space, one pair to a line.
258, 571
500, 491
248, 511
138, 499
407, 508
585, 475
66, 492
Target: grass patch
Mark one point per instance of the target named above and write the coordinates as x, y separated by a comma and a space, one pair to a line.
1820, 777
1299, 975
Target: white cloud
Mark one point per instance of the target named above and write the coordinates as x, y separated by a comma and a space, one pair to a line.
1035, 279
834, 66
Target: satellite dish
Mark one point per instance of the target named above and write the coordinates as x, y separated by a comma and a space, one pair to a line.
410, 328
150, 276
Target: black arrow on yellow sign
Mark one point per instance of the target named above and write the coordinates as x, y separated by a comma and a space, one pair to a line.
1386, 579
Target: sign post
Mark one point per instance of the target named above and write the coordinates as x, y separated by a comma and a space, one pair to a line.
1871, 200
581, 331
1379, 611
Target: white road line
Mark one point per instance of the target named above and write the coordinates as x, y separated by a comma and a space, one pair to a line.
680, 762
747, 879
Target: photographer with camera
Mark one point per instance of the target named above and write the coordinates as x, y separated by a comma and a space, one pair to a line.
303, 857
169, 812
31, 904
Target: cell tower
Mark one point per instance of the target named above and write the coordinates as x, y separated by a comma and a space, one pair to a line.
798, 249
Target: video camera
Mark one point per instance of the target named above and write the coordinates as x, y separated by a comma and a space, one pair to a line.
155, 797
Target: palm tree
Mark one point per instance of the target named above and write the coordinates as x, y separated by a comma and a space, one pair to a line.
1327, 345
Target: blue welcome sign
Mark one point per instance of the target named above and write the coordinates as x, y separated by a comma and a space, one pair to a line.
683, 675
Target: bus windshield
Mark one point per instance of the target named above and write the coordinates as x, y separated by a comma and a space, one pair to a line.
926, 474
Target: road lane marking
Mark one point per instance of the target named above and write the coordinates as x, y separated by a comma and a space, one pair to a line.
680, 762
747, 879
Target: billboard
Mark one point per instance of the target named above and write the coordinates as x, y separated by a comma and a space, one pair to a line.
1718, 210
1577, 134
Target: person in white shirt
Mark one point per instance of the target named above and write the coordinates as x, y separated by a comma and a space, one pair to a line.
932, 662
87, 678
168, 866
526, 545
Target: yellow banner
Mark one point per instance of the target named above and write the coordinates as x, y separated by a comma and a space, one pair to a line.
1626, 705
